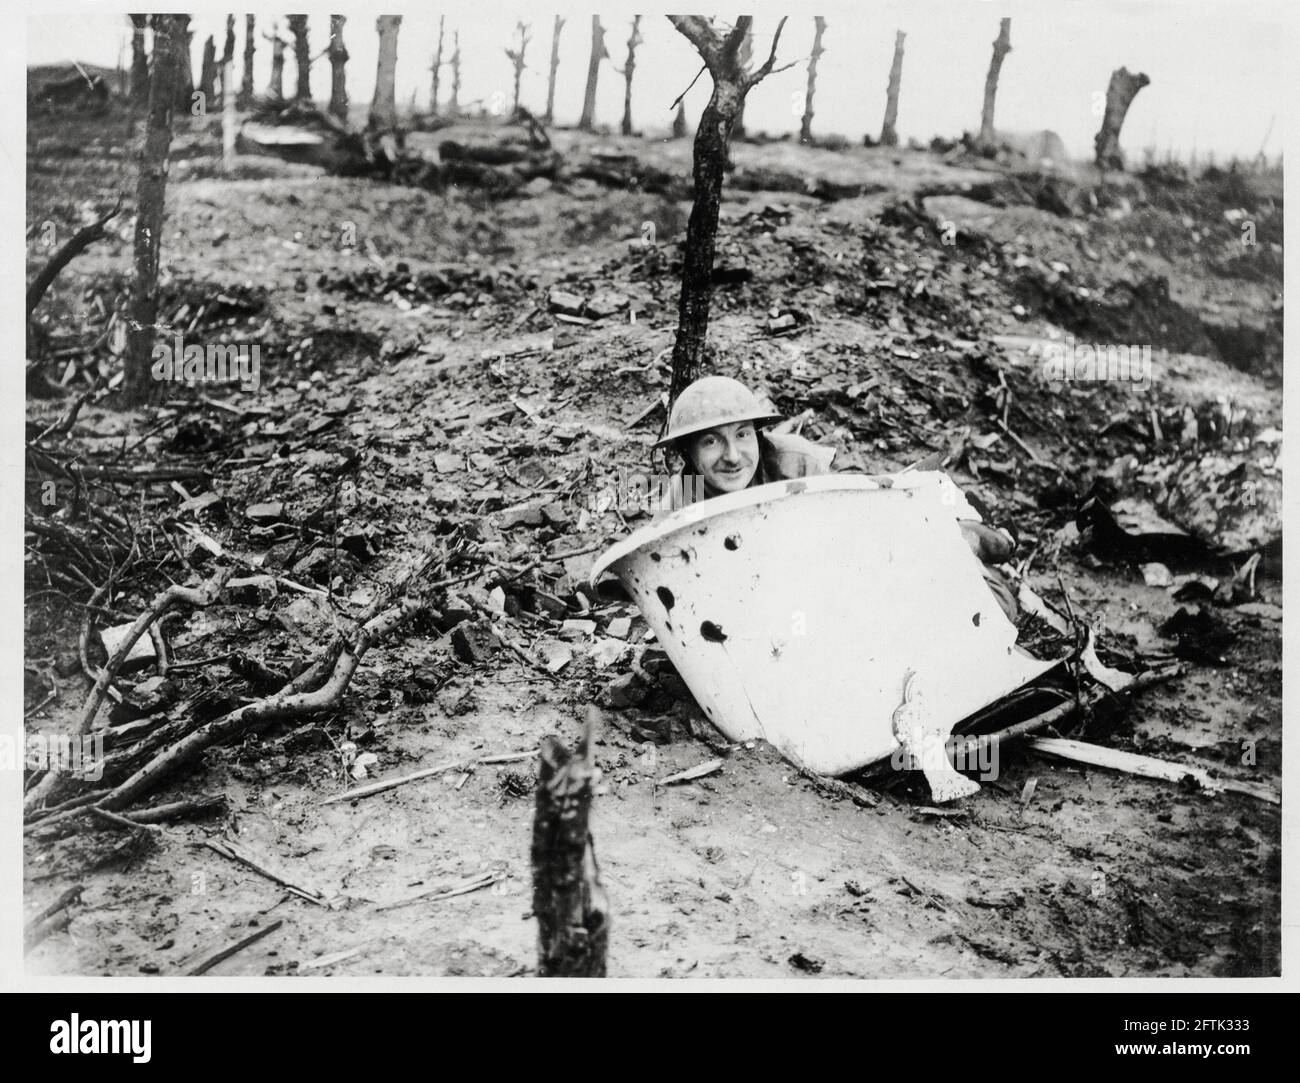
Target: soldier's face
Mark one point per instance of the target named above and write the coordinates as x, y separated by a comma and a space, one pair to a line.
726, 457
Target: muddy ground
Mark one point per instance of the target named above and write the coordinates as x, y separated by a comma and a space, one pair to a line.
750, 872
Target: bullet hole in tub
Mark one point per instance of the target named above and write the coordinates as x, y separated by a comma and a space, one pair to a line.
712, 632
686, 555
732, 542
666, 596
975, 620
656, 557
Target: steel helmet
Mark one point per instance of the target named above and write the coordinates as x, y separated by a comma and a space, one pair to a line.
712, 401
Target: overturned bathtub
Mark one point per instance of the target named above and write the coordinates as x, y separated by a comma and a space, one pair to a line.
839, 618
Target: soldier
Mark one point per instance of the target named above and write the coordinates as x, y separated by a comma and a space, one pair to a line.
716, 427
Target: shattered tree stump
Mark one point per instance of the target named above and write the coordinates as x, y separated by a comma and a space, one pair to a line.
570, 905
1123, 88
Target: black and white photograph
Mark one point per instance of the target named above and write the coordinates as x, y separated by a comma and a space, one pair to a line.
515, 493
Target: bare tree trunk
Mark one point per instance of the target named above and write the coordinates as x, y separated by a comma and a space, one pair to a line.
278, 44
139, 61
569, 902
455, 73
208, 73
229, 121
730, 85
805, 125
184, 85
679, 122
888, 133
517, 60
1123, 88
628, 68
746, 55
227, 55
549, 116
301, 56
1001, 46
437, 70
598, 53
170, 36
250, 47
338, 55
383, 110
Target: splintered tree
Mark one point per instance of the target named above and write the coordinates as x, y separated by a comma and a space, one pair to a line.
731, 83
517, 59
184, 85
436, 69
454, 106
1123, 88
278, 45
338, 55
570, 905
208, 72
888, 133
301, 56
250, 47
598, 53
805, 125
226, 59
549, 116
383, 110
139, 61
1001, 46
170, 38
679, 121
628, 68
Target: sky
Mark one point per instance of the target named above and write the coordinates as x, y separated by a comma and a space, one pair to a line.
1216, 67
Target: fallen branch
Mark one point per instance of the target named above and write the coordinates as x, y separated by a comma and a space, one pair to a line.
427, 772
253, 716
121, 822
1131, 763
78, 243
71, 895
177, 810
474, 883
210, 960
171, 598
228, 850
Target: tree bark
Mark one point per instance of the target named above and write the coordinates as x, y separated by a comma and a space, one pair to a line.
1001, 46
139, 61
549, 116
628, 68
730, 85
250, 47
569, 902
598, 53
338, 55
436, 69
1123, 88
746, 54
805, 125
517, 60
208, 73
383, 110
170, 37
301, 56
888, 133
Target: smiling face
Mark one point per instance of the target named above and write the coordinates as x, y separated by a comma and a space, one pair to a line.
726, 457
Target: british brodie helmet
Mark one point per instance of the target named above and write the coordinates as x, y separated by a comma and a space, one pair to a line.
712, 401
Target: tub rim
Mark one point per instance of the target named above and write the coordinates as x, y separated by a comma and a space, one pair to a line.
693, 514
